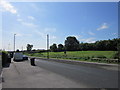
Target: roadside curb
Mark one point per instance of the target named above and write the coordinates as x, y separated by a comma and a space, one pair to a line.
76, 62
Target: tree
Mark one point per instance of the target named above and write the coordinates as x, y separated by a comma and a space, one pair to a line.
29, 47
71, 43
60, 47
17, 50
53, 47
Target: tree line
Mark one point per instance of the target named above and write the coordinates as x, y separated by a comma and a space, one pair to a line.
72, 44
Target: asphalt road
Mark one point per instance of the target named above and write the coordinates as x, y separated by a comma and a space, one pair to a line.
23, 75
51, 74
86, 76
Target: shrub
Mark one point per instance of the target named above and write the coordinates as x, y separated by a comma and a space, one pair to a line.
92, 57
116, 55
88, 57
100, 56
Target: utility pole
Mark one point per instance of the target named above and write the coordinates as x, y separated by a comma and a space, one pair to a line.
14, 42
9, 47
47, 46
22, 48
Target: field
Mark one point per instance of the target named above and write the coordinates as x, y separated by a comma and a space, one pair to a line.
78, 55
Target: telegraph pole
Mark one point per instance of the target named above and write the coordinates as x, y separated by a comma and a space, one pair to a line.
14, 42
22, 48
47, 46
9, 47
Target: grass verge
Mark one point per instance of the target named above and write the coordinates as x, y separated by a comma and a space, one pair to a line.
103, 56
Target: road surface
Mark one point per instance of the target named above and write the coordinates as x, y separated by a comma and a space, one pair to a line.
49, 74
86, 75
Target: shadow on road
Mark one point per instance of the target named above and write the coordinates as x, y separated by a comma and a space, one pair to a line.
19, 60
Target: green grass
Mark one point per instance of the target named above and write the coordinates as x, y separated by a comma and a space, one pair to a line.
107, 54
78, 55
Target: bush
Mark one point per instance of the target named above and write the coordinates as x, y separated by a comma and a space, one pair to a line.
116, 56
100, 56
92, 57
87, 58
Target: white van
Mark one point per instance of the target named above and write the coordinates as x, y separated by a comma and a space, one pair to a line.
18, 56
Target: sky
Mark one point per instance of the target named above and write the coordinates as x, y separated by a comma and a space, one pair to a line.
32, 21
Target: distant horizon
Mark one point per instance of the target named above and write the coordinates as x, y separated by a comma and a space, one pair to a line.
32, 21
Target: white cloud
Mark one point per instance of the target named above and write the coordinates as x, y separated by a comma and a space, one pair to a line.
31, 17
34, 6
29, 24
43, 35
103, 26
77, 36
18, 34
20, 20
6, 6
18, 15
88, 40
91, 33
53, 37
114, 33
26, 23
50, 30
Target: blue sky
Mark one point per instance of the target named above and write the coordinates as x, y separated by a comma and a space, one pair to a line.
31, 22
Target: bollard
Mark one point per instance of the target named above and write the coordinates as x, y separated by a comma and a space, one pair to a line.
32, 61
